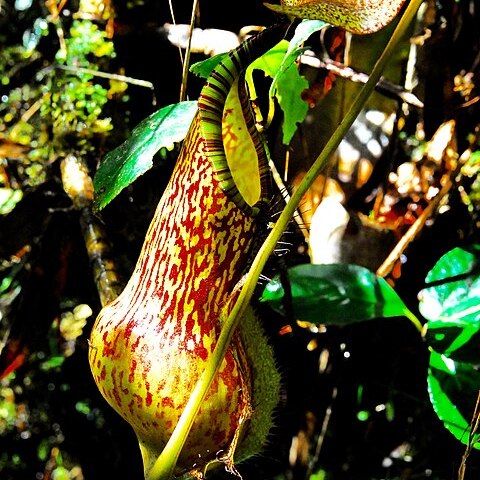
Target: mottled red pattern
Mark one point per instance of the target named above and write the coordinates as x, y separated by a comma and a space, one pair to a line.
149, 347
160, 331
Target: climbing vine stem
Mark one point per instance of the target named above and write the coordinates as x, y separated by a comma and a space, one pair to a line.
163, 469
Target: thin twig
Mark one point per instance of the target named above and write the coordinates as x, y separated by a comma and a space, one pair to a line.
183, 88
383, 86
321, 436
34, 108
474, 426
172, 14
297, 216
110, 76
387, 266
54, 11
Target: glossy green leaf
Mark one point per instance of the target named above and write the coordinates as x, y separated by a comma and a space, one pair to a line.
336, 294
451, 305
453, 388
126, 163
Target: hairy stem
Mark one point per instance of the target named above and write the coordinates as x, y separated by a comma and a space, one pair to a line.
165, 464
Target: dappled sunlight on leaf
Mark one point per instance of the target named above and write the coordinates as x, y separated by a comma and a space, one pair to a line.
451, 304
133, 158
338, 294
453, 388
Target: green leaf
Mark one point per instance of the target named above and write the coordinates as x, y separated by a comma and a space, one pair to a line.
204, 68
302, 33
453, 388
288, 85
279, 64
293, 50
338, 294
451, 305
270, 62
289, 89
43, 449
126, 163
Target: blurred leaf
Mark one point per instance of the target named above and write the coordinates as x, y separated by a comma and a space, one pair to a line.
133, 158
336, 294
453, 388
390, 411
363, 415
60, 473
320, 475
8, 410
451, 305
53, 362
31, 38
8, 199
72, 323
8, 281
43, 449
472, 165
83, 407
